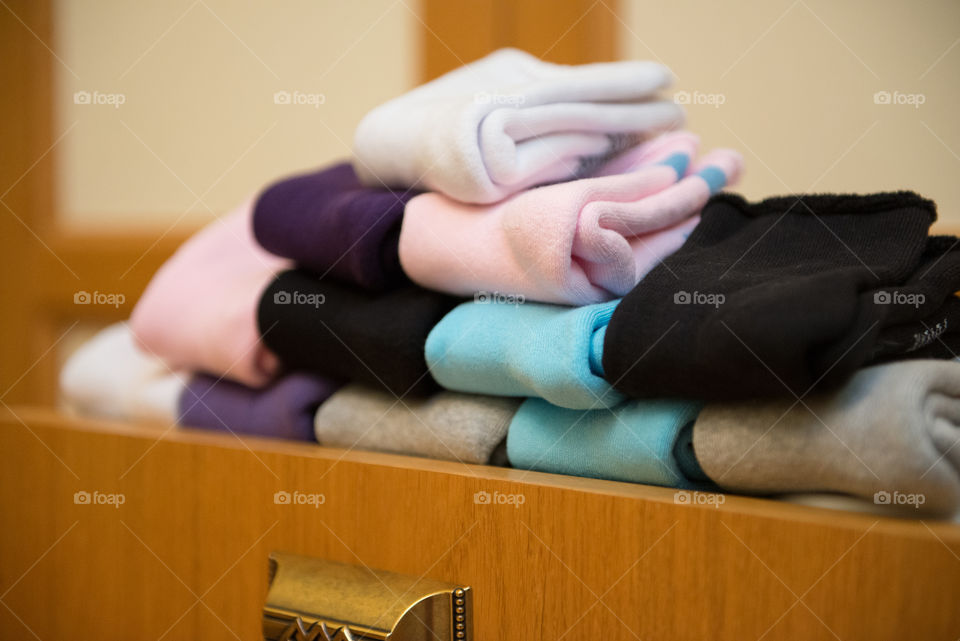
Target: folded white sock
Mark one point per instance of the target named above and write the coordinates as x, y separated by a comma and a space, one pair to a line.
111, 376
510, 121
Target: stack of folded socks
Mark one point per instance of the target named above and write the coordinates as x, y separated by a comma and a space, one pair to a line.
530, 257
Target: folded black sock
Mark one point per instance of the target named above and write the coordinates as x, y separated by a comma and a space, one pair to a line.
770, 298
498, 457
923, 313
686, 457
350, 335
936, 335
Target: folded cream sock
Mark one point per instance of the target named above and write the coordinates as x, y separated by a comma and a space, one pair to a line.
507, 122
199, 311
447, 425
889, 435
572, 243
110, 376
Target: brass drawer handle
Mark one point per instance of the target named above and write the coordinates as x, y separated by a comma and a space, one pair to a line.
317, 600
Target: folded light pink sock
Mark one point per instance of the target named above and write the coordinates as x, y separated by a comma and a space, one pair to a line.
573, 243
199, 311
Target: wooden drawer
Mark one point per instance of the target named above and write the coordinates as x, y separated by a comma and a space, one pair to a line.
185, 555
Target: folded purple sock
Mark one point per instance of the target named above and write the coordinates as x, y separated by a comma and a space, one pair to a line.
284, 409
328, 223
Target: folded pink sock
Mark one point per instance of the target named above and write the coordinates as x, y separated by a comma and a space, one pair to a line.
199, 311
573, 243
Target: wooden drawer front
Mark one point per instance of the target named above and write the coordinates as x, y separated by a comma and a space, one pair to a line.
548, 557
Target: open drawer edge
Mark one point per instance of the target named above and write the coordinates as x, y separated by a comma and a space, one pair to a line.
547, 556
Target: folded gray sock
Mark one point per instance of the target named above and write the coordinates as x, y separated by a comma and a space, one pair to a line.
890, 435
447, 425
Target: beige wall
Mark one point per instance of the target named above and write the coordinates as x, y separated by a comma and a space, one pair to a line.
799, 79
199, 127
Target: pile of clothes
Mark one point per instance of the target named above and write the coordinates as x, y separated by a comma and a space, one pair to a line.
530, 264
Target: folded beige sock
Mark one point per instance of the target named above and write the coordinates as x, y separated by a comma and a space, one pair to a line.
447, 425
889, 435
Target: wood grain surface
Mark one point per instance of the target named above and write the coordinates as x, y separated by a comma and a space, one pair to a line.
184, 556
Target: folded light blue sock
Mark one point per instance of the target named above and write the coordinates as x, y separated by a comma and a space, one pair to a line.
631, 442
525, 349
